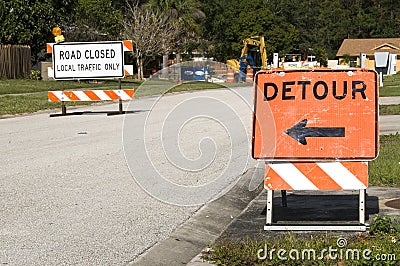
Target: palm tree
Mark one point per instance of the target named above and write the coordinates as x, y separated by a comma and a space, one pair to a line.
186, 14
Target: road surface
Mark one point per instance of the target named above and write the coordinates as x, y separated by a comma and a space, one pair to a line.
81, 190
68, 196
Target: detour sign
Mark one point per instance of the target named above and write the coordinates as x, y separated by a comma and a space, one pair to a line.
315, 115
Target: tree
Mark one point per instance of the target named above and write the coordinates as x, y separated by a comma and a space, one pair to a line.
321, 56
238, 20
95, 20
185, 15
150, 32
30, 22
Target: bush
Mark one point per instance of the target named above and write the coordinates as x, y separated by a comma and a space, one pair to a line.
35, 75
384, 224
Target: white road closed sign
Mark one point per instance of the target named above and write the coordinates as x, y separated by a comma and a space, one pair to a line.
88, 60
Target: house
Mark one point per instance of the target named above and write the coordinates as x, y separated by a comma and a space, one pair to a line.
353, 48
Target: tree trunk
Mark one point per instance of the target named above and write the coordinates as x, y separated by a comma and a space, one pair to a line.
141, 67
165, 66
139, 76
178, 62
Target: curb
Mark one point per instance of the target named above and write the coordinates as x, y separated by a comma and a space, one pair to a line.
204, 227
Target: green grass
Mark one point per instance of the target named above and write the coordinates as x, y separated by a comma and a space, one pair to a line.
36, 92
385, 170
156, 87
35, 98
393, 109
391, 86
22, 104
191, 86
18, 86
11, 105
383, 238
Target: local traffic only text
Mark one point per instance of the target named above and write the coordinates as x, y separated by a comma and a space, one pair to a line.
88, 67
89, 55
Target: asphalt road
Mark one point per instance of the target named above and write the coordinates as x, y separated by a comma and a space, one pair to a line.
68, 195
85, 190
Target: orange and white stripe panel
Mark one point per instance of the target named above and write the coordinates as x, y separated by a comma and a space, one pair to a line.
90, 95
128, 70
316, 175
49, 48
128, 46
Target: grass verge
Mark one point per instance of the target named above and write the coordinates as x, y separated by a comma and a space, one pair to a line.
21, 104
11, 105
391, 109
391, 86
33, 93
385, 170
18, 86
380, 246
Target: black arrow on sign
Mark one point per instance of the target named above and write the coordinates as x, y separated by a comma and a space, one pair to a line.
300, 132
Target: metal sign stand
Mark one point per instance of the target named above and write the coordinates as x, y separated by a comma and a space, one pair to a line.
109, 66
120, 108
64, 108
307, 227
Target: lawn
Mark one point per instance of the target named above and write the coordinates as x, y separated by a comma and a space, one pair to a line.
391, 86
18, 86
17, 104
379, 246
32, 94
385, 170
392, 109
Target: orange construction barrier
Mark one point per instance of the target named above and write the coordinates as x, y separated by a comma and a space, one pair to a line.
230, 77
249, 75
90, 95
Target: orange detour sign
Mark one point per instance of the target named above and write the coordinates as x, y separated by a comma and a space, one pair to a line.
315, 115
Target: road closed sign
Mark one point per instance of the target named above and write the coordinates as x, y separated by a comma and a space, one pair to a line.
88, 60
325, 114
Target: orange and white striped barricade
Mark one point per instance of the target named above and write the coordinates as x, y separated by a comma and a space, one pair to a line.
90, 95
316, 129
315, 176
230, 76
249, 75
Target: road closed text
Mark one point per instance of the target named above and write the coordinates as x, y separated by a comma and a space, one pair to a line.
87, 54
319, 90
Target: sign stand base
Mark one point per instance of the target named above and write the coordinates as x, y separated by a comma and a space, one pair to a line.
361, 226
119, 112
64, 111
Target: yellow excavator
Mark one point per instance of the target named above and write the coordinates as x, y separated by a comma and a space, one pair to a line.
253, 55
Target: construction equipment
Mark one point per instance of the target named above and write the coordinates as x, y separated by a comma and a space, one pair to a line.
253, 56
